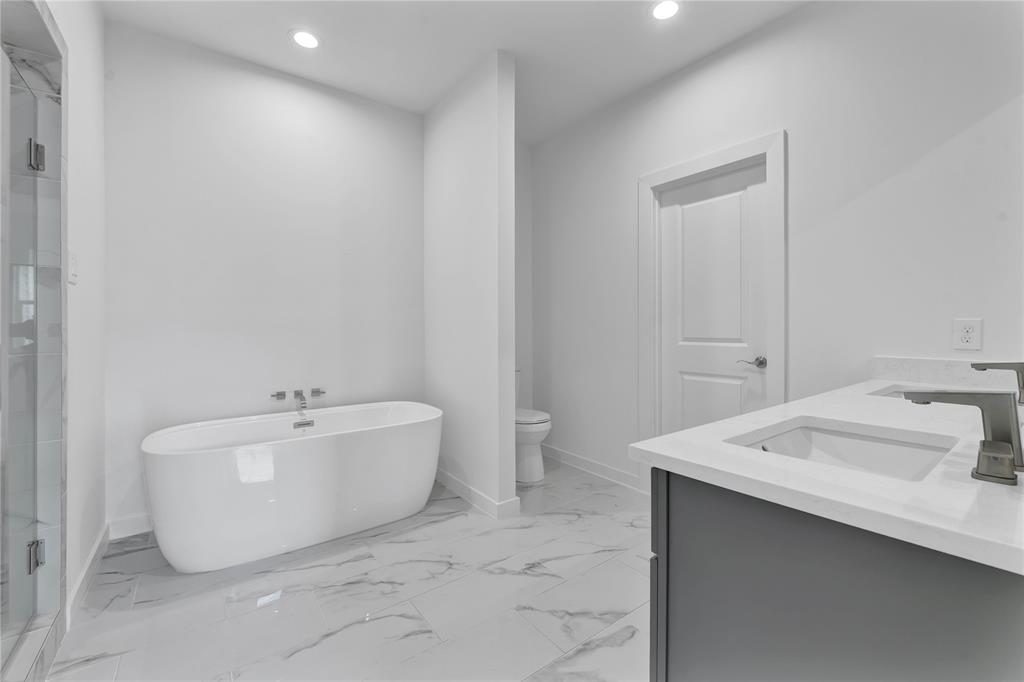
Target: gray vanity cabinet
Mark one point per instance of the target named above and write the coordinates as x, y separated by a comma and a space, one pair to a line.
743, 589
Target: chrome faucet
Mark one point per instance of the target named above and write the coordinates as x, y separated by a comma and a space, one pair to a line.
1017, 367
1000, 452
300, 400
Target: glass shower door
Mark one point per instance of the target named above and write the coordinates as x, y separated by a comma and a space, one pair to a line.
31, 358
17, 588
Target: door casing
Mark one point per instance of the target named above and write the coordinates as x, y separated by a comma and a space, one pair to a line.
772, 148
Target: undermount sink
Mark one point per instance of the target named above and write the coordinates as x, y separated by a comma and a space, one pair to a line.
896, 390
897, 453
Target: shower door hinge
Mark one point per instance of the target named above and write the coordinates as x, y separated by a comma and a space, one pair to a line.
36, 555
36, 155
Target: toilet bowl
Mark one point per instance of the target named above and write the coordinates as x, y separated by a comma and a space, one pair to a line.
532, 427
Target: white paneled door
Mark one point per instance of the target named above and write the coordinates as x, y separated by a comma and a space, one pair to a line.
719, 265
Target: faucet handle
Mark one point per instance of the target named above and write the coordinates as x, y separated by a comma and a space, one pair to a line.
1017, 367
995, 463
277, 395
317, 392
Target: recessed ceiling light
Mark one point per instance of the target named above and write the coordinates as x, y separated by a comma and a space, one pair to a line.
665, 10
305, 39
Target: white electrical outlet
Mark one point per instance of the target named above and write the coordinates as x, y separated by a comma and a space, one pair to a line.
967, 333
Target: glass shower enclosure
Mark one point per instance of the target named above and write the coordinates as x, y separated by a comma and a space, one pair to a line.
31, 351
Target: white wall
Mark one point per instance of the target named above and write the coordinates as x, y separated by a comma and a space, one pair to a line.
265, 234
81, 25
469, 280
905, 191
524, 276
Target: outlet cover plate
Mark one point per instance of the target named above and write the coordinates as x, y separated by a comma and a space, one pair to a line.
967, 333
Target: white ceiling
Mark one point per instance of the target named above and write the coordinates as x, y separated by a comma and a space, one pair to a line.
572, 57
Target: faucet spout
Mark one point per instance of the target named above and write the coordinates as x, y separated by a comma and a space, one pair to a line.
1016, 367
300, 400
998, 414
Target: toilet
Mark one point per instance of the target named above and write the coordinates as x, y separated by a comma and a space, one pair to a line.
532, 427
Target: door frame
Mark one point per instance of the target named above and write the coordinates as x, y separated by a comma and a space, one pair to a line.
649, 187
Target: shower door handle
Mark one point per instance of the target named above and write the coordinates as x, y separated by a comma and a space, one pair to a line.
36, 155
36, 555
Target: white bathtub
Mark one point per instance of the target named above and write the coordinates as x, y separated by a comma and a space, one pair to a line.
235, 490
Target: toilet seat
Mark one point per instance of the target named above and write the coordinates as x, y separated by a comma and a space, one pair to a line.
524, 416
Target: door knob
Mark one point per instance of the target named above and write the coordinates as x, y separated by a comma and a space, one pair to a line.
760, 362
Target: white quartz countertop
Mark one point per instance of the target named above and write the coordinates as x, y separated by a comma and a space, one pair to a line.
947, 510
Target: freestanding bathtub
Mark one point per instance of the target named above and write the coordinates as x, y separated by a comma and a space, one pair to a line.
230, 491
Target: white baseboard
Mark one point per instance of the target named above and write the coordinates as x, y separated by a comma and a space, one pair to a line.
489, 506
130, 525
77, 592
626, 478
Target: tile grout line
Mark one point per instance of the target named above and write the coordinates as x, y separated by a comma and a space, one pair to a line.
630, 566
441, 640
597, 634
561, 651
575, 577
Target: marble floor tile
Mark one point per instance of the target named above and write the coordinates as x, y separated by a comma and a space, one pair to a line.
107, 592
432, 596
198, 652
505, 647
441, 496
329, 567
612, 501
563, 558
121, 632
615, 515
500, 540
561, 475
437, 528
132, 543
464, 603
278, 625
104, 668
386, 586
354, 650
210, 650
536, 499
581, 607
620, 653
638, 557
133, 562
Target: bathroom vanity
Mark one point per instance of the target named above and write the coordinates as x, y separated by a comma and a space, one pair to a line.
839, 536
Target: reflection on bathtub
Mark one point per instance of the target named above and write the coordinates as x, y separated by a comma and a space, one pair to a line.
255, 464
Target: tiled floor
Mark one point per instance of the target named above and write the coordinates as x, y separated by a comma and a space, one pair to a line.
557, 593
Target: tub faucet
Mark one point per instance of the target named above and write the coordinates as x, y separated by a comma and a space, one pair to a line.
300, 400
1000, 452
1017, 367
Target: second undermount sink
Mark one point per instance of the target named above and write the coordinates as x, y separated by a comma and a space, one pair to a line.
896, 390
897, 453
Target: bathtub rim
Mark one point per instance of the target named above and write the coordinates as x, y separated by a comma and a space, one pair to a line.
435, 413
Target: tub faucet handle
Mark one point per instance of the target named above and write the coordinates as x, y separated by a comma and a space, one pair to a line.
317, 392
277, 395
